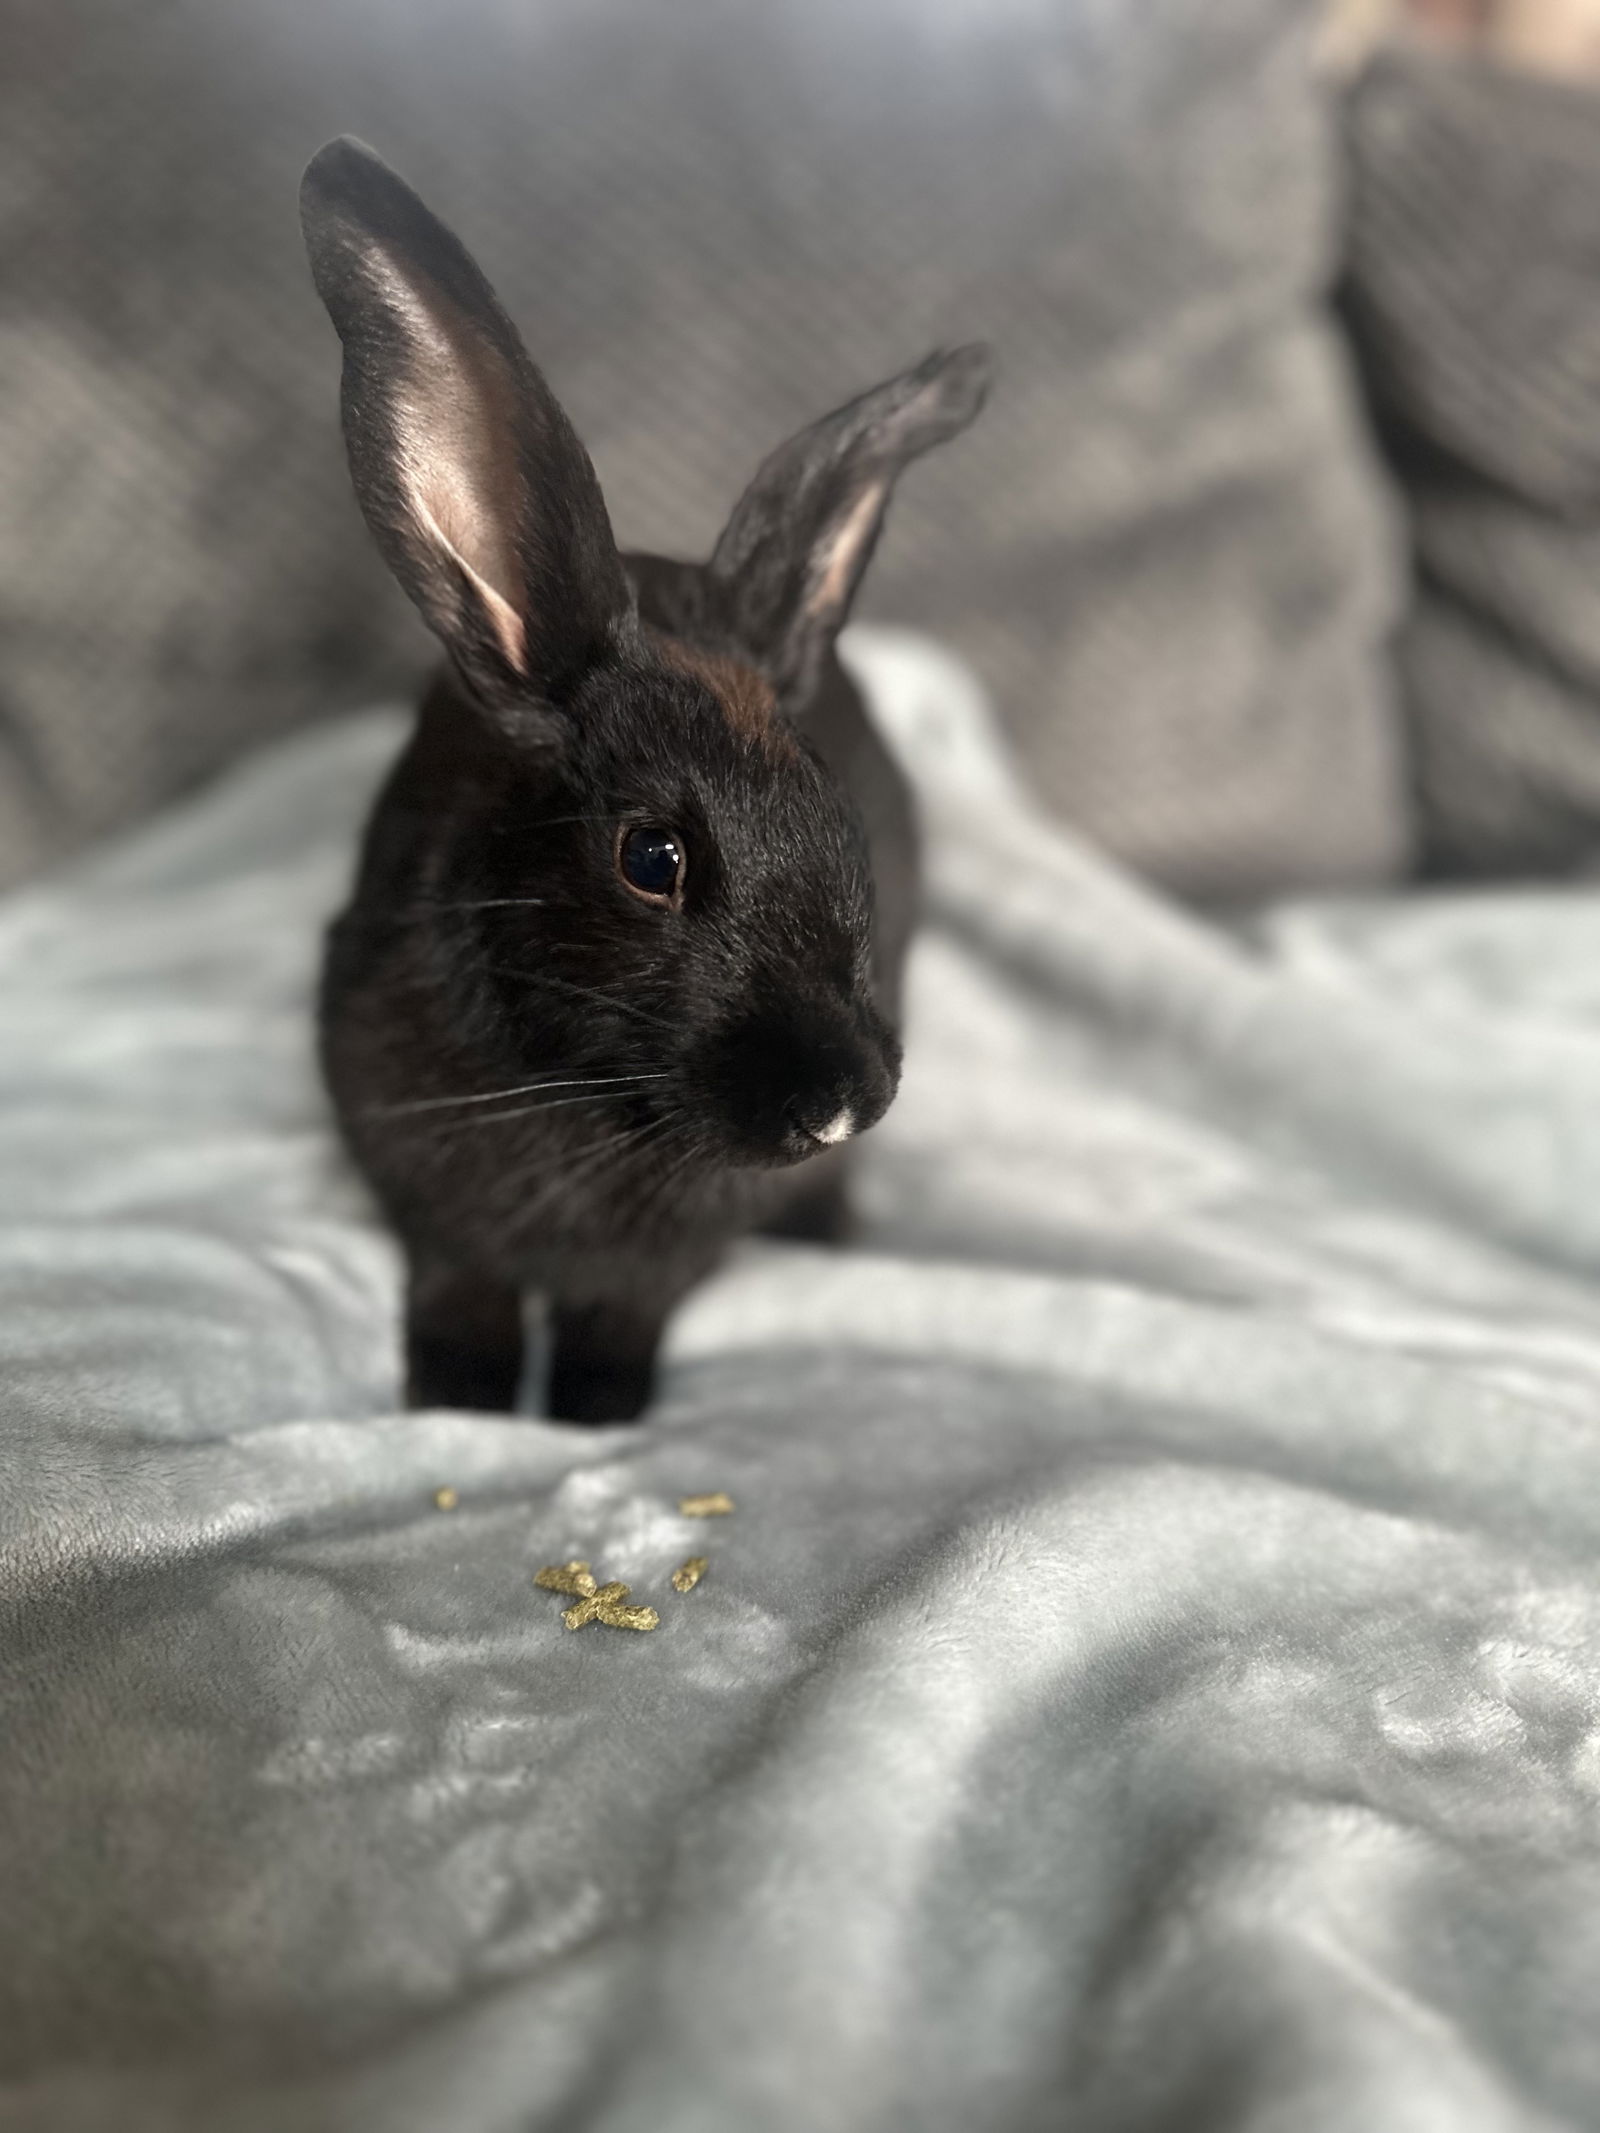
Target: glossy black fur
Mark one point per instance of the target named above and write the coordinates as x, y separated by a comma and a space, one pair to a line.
555, 1087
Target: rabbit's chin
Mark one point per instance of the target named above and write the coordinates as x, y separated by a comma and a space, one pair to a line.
788, 1154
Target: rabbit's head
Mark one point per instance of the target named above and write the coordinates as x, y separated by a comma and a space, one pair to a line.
620, 857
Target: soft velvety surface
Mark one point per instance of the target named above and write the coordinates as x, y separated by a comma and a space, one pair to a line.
1150, 1680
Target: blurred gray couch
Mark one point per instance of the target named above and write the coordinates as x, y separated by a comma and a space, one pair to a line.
1165, 549
1228, 644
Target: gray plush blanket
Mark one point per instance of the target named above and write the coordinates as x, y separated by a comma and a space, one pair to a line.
1151, 1679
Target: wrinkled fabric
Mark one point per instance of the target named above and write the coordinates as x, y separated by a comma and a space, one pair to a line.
1150, 1680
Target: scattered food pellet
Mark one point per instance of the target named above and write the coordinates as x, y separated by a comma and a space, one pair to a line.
686, 1579
594, 1602
606, 1606
575, 1577
715, 1505
445, 1499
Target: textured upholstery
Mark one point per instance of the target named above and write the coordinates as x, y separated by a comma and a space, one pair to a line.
1475, 262
1162, 547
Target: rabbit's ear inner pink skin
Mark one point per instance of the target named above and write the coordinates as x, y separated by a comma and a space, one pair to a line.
788, 563
476, 488
454, 409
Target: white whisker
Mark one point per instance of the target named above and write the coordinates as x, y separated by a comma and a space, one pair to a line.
526, 1088
493, 903
584, 992
621, 1144
501, 1118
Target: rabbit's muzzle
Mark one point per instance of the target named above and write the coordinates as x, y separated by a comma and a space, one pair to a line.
784, 1088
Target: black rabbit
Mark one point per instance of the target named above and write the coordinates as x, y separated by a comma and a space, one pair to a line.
611, 988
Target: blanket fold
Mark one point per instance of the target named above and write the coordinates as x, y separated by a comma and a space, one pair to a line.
1151, 1676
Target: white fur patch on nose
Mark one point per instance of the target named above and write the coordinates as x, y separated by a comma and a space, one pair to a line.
839, 1128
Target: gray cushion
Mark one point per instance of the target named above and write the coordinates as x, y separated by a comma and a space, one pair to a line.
1475, 265
1162, 546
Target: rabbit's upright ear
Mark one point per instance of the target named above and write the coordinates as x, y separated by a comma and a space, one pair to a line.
476, 488
791, 557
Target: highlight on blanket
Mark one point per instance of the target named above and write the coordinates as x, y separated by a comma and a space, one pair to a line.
800, 1043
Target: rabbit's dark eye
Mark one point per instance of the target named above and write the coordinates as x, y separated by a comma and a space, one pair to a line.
652, 862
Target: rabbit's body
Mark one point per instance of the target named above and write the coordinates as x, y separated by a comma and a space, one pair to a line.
531, 1195
621, 972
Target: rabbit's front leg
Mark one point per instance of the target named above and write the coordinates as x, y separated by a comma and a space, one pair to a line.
464, 1338
603, 1359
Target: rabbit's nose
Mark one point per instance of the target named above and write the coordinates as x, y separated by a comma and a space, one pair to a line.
827, 1123
789, 1088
